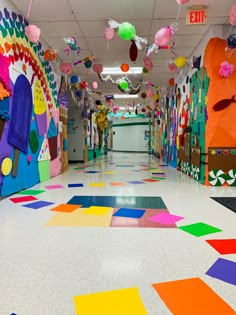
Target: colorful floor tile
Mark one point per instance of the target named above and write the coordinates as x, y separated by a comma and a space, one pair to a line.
98, 184
91, 172
228, 202
30, 192
135, 182
224, 270
191, 297
75, 185
199, 229
54, 186
22, 199
150, 180
65, 208
223, 246
118, 302
94, 210
110, 173
38, 204
117, 184
78, 218
129, 213
166, 218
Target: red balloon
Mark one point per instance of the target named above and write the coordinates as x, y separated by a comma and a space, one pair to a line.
133, 51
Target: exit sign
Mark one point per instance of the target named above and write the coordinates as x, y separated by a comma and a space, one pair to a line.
196, 16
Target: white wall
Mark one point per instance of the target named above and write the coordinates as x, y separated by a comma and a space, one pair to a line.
130, 138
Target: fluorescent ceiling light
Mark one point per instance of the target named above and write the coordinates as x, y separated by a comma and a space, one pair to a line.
117, 70
125, 96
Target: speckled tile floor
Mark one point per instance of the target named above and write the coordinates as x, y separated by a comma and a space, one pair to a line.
42, 267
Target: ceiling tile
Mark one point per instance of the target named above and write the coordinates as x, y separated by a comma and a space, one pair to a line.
59, 29
59, 43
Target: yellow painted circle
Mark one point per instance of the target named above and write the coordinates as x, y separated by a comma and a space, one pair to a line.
6, 166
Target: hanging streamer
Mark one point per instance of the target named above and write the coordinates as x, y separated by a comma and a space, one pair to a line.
29, 8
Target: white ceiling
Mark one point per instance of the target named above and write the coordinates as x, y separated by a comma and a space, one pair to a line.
87, 19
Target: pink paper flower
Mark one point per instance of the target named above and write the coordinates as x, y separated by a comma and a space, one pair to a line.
226, 69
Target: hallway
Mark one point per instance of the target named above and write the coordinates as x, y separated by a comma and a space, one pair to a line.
47, 259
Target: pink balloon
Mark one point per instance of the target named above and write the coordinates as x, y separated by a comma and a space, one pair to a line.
94, 85
109, 33
182, 1
33, 33
97, 67
163, 36
66, 68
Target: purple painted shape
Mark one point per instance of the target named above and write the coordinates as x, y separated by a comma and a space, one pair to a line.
38, 204
224, 270
135, 182
165, 218
42, 123
54, 186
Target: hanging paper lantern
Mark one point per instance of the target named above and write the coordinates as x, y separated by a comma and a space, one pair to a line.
123, 85
74, 79
171, 82
126, 31
94, 85
143, 95
33, 33
145, 70
66, 68
98, 68
88, 64
109, 33
172, 67
133, 51
83, 85
148, 63
124, 67
50, 55
182, 1
180, 62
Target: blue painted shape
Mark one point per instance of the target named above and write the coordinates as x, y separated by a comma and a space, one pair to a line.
65, 145
52, 130
91, 172
118, 201
129, 213
224, 270
75, 185
22, 104
38, 204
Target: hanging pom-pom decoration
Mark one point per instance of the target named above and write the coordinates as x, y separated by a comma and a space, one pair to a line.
94, 85
172, 67
83, 85
226, 69
180, 61
66, 68
123, 85
109, 34
133, 51
148, 63
143, 95
126, 31
124, 67
33, 33
50, 55
98, 68
88, 64
171, 82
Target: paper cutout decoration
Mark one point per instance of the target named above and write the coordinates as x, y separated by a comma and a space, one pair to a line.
191, 296
52, 139
52, 130
199, 229
44, 170
123, 301
42, 123
30, 192
54, 186
44, 153
117, 184
65, 208
95, 210
75, 185
33, 141
40, 106
166, 218
129, 213
223, 246
224, 270
22, 199
6, 166
228, 202
4, 75
38, 204
99, 184
19, 127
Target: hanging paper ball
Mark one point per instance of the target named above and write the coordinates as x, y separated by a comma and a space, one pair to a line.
94, 85
109, 33
78, 93
145, 70
98, 68
88, 64
133, 51
83, 85
182, 1
232, 16
126, 31
123, 85
50, 55
171, 82
74, 79
180, 62
143, 95
148, 63
66, 68
163, 36
124, 67
33, 33
155, 97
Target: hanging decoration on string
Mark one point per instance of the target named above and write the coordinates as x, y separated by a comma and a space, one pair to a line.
32, 31
88, 62
50, 54
133, 51
127, 31
109, 34
180, 2
72, 45
98, 68
154, 48
231, 46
